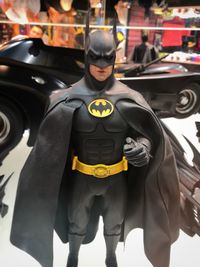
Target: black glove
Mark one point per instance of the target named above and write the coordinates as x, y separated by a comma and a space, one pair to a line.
137, 153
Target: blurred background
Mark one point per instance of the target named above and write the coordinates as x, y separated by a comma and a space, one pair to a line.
171, 26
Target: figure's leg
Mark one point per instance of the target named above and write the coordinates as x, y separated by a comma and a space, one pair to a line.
78, 215
111, 245
114, 204
75, 242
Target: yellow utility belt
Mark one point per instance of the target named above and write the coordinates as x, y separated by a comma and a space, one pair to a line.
100, 170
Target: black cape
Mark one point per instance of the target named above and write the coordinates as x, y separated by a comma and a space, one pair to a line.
153, 192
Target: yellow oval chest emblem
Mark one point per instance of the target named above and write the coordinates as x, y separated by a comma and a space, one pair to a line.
100, 108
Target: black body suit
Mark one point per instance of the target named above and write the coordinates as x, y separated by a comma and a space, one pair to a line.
98, 140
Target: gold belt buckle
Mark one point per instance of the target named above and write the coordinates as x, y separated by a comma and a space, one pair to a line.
101, 171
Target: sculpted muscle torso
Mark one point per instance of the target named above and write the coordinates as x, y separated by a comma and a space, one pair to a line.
99, 139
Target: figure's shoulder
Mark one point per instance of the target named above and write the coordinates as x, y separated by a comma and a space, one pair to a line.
131, 94
60, 96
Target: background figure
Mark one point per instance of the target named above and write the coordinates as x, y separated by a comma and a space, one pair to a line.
145, 52
59, 5
36, 31
29, 10
121, 9
21, 10
58, 35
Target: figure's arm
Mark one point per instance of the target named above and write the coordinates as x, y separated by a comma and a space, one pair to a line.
137, 152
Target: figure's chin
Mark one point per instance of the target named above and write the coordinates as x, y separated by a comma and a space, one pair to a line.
101, 80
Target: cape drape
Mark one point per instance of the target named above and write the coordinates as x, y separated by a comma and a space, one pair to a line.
153, 193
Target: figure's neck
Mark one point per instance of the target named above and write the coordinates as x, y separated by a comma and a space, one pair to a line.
98, 86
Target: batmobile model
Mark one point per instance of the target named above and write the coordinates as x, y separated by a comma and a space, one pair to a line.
30, 72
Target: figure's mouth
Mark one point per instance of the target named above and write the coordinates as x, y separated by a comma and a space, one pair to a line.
101, 71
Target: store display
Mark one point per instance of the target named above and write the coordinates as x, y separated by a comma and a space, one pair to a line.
34, 73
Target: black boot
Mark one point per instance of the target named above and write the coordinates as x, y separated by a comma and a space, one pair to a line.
74, 246
72, 260
111, 261
111, 245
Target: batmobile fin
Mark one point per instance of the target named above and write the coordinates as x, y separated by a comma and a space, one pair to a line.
1, 178
2, 187
3, 207
196, 158
197, 123
136, 69
114, 30
189, 183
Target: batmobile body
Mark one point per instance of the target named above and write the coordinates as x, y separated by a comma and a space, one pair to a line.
30, 72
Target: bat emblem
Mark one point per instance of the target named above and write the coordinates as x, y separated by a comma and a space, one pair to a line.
100, 108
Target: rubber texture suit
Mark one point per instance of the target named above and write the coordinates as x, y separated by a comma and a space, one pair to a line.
92, 120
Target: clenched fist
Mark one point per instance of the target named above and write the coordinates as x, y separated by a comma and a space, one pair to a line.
137, 153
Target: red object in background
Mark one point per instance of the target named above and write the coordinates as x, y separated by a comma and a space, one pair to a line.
173, 37
198, 43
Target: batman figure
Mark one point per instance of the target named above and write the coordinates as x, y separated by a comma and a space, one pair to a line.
100, 151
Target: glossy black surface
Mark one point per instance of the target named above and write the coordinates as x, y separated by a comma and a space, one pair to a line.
30, 71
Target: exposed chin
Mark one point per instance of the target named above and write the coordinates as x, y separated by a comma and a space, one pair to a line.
101, 79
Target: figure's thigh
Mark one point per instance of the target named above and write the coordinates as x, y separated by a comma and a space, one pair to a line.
80, 203
114, 205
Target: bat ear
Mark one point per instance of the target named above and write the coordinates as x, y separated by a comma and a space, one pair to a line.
87, 26
114, 29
